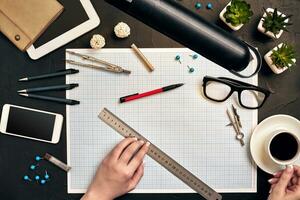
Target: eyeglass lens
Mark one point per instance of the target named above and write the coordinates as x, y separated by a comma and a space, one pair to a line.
217, 91
248, 98
252, 98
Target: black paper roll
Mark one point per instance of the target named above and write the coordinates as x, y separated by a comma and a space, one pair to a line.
189, 29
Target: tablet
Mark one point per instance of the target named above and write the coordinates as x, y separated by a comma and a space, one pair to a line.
78, 18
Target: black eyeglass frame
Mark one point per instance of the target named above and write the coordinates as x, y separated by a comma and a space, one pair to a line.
236, 86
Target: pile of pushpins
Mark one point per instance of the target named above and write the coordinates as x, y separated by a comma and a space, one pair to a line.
37, 177
194, 57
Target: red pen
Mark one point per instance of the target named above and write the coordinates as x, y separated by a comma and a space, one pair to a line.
153, 92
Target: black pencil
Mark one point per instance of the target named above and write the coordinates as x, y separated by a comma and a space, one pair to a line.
49, 88
55, 74
55, 99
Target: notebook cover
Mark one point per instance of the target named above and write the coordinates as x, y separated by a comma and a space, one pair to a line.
23, 21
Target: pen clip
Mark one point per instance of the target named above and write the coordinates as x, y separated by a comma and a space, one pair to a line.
74, 71
122, 99
69, 69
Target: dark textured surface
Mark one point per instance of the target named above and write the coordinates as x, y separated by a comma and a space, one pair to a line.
17, 154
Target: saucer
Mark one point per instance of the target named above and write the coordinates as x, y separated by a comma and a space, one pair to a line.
261, 133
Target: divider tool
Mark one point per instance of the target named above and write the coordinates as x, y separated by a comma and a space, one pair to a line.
234, 122
159, 156
106, 65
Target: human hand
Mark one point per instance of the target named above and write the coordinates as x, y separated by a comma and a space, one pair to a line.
120, 171
285, 185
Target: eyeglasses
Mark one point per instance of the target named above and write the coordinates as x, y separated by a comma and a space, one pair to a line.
221, 88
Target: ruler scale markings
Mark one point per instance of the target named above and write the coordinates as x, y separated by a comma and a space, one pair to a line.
159, 156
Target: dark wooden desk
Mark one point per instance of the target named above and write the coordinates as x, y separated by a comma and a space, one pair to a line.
17, 154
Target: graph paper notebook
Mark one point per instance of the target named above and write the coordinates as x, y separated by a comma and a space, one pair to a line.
184, 124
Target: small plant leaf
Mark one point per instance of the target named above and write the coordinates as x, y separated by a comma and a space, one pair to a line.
275, 22
284, 56
238, 12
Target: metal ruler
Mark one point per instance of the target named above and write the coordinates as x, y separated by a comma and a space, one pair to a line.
162, 158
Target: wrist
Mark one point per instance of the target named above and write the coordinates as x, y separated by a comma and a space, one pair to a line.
96, 195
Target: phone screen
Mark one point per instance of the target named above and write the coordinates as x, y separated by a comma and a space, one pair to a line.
30, 123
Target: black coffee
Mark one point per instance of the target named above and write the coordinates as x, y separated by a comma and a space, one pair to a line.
284, 146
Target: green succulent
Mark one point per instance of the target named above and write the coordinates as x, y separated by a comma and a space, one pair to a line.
238, 12
284, 56
274, 22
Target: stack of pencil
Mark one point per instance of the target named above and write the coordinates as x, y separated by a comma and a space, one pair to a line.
29, 91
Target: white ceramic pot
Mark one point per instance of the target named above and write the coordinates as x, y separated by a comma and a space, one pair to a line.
261, 29
269, 61
221, 15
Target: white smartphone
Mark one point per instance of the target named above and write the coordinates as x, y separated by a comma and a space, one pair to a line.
31, 123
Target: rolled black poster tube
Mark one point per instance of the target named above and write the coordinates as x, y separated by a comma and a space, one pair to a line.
191, 30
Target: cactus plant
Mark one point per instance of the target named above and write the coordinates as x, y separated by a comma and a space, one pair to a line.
283, 56
238, 12
275, 21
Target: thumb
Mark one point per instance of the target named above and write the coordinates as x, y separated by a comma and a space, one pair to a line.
284, 180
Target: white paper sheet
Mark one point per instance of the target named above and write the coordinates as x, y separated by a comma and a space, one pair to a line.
182, 122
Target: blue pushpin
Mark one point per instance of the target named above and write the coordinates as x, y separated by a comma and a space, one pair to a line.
37, 177
194, 56
43, 182
33, 167
26, 178
38, 158
209, 6
177, 58
46, 175
191, 69
198, 5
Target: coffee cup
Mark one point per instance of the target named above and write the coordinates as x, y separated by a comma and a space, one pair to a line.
283, 147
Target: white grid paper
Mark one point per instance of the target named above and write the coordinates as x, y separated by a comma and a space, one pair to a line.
188, 127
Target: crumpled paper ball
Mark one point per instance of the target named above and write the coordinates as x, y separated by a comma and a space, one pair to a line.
122, 30
97, 41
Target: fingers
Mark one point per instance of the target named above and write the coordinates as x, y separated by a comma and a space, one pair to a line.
271, 188
139, 156
297, 170
137, 176
297, 174
293, 188
117, 151
284, 180
273, 180
129, 152
294, 180
278, 174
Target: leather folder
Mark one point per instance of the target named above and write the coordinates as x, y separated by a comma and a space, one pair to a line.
23, 21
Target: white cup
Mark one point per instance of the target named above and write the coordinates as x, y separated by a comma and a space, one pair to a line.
282, 162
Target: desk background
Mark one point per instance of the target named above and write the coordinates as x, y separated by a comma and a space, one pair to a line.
16, 154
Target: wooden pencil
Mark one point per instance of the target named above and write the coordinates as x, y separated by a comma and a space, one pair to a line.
143, 57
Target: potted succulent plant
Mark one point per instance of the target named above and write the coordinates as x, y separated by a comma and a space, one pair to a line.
273, 23
236, 14
281, 58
